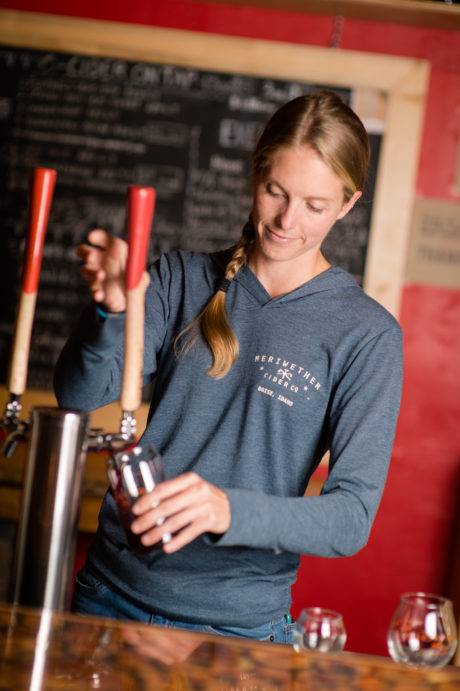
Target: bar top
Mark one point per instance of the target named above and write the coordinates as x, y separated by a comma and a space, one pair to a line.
40, 649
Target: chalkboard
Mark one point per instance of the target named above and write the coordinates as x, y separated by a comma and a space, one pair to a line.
105, 123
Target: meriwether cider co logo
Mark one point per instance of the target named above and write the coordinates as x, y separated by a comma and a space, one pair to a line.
294, 379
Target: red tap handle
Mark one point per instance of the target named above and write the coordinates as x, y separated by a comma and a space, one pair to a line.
41, 196
141, 204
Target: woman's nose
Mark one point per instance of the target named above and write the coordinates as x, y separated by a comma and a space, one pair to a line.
287, 216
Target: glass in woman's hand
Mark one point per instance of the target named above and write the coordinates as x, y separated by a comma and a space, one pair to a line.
132, 474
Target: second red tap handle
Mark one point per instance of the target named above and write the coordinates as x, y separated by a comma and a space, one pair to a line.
141, 204
141, 201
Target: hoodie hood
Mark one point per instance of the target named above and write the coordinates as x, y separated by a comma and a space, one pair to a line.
332, 279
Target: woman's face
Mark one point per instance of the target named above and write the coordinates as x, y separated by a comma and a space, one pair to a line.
295, 205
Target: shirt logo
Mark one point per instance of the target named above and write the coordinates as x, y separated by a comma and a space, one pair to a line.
284, 380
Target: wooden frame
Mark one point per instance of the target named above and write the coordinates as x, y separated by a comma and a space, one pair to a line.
403, 82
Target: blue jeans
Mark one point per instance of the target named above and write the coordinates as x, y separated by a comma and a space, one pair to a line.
92, 596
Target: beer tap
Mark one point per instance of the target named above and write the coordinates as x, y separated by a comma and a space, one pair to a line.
141, 204
42, 188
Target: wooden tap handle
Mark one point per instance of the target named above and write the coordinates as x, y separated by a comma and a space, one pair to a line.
41, 195
141, 203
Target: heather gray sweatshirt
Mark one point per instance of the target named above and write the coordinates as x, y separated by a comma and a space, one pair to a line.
319, 368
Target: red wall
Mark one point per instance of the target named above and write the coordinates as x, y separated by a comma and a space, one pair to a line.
414, 532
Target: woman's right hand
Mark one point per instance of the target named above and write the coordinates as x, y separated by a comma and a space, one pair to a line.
103, 268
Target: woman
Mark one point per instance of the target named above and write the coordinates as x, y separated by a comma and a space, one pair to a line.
265, 356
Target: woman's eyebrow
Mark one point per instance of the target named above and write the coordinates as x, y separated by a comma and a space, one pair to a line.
272, 181
310, 197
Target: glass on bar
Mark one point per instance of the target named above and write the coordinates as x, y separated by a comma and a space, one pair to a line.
319, 629
422, 632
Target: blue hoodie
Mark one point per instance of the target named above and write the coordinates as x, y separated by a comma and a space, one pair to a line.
319, 368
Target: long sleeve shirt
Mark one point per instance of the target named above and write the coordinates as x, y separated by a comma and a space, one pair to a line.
320, 368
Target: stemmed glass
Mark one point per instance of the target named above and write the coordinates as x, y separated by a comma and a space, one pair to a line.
422, 632
319, 629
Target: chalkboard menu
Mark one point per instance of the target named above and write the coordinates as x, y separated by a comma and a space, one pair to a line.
104, 124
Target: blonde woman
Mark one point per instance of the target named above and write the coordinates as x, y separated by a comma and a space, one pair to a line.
264, 357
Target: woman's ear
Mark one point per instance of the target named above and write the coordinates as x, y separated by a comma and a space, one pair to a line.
349, 204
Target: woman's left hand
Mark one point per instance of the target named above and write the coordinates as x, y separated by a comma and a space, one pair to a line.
186, 506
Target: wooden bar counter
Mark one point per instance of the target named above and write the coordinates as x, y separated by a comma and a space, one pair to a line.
41, 650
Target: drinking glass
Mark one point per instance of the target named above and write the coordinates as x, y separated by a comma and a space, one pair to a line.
319, 629
131, 474
422, 632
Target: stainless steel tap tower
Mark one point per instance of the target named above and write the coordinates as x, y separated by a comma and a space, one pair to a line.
51, 495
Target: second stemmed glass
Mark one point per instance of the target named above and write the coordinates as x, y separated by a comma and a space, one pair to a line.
422, 632
319, 629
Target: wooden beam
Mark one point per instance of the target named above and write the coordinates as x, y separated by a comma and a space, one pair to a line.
254, 57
